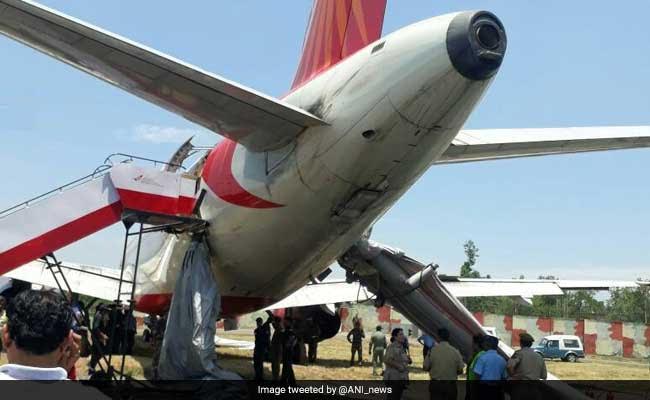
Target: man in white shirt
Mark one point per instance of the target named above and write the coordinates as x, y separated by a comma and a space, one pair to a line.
38, 337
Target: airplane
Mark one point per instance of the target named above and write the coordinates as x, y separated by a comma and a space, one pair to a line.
301, 180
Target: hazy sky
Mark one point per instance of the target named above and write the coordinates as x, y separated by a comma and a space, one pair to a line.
572, 63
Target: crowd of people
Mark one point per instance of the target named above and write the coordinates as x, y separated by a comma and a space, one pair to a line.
109, 322
486, 370
284, 347
42, 331
31, 324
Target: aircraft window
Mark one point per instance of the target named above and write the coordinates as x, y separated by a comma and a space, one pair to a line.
571, 344
377, 47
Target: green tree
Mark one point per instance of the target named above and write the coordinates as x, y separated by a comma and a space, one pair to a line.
582, 304
629, 304
471, 252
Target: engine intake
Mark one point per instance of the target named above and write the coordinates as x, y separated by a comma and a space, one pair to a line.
476, 44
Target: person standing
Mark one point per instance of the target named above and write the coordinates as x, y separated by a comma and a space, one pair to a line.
427, 341
526, 364
157, 337
471, 389
355, 337
396, 374
312, 336
131, 326
262, 344
289, 343
99, 336
276, 348
444, 364
490, 369
376, 349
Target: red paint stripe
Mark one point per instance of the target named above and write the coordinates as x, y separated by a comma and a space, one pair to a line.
186, 205
231, 306
218, 175
589, 342
60, 237
135, 200
616, 330
628, 347
545, 324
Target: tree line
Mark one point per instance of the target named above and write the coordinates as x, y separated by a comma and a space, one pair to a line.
624, 304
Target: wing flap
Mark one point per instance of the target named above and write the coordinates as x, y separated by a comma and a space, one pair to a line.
253, 119
495, 144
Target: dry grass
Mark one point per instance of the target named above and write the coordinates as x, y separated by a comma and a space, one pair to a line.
334, 357
334, 360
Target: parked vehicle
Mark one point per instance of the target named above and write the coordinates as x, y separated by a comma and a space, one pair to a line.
565, 347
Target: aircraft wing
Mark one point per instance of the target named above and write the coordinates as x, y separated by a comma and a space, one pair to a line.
92, 281
496, 144
328, 292
255, 120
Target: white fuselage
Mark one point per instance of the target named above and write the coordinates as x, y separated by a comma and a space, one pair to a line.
332, 182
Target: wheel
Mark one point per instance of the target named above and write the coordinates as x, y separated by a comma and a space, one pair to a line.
571, 358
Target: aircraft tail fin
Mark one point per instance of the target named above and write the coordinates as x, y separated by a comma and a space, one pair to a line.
337, 29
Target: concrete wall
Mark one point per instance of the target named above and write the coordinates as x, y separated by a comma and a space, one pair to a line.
599, 337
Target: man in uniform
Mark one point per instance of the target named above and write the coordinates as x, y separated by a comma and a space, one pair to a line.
376, 349
262, 344
525, 364
355, 337
444, 364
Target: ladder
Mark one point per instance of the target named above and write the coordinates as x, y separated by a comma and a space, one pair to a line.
155, 200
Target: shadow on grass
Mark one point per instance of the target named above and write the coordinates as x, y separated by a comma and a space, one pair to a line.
321, 362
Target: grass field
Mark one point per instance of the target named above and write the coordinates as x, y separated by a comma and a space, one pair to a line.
334, 357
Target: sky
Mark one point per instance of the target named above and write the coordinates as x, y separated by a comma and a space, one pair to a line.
572, 63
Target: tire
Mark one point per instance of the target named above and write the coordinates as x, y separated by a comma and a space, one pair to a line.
571, 357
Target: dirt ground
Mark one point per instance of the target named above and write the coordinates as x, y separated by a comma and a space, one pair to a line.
334, 357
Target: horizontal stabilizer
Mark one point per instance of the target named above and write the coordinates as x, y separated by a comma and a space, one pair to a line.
496, 144
257, 121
